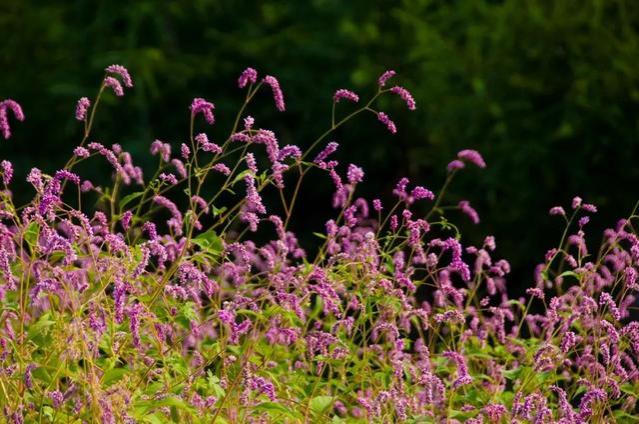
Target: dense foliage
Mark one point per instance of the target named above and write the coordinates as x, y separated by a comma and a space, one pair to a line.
185, 297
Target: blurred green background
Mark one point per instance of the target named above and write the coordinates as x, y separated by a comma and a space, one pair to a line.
548, 91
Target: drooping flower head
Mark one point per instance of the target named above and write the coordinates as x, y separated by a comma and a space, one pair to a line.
200, 105
7, 172
4, 119
122, 72
472, 156
346, 95
81, 109
405, 95
278, 96
381, 81
469, 211
115, 85
455, 165
248, 76
384, 119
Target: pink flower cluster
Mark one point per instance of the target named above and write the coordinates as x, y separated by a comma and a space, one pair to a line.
186, 297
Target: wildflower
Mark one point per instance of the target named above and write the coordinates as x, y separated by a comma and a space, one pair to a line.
568, 341
455, 165
346, 95
355, 174
419, 193
114, 85
248, 76
606, 300
179, 167
463, 378
81, 152
405, 95
585, 406
326, 152
381, 81
28, 382
469, 211
81, 109
472, 156
126, 219
589, 207
535, 292
4, 120
221, 168
7, 172
175, 222
557, 210
384, 119
204, 107
161, 148
185, 151
122, 72
278, 96
56, 397
576, 202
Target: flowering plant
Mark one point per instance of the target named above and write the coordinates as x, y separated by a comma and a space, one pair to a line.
158, 304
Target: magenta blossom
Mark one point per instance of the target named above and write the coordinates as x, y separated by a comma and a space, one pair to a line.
384, 119
204, 107
472, 156
248, 76
4, 120
278, 96
81, 109
346, 95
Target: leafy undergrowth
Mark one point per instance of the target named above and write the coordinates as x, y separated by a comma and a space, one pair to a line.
185, 298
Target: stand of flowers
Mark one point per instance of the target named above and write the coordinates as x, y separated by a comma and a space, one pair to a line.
158, 303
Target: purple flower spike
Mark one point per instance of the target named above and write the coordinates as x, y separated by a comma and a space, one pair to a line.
385, 77
384, 119
81, 109
472, 156
115, 85
204, 107
122, 72
4, 120
405, 95
278, 96
346, 95
248, 76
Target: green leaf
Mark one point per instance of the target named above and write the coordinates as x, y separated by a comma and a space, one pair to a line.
512, 374
113, 375
143, 406
37, 328
275, 409
219, 211
129, 198
31, 234
319, 404
241, 176
188, 311
569, 274
209, 241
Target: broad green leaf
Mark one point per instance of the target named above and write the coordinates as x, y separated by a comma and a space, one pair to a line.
31, 234
277, 409
319, 404
113, 375
209, 241
129, 198
240, 176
